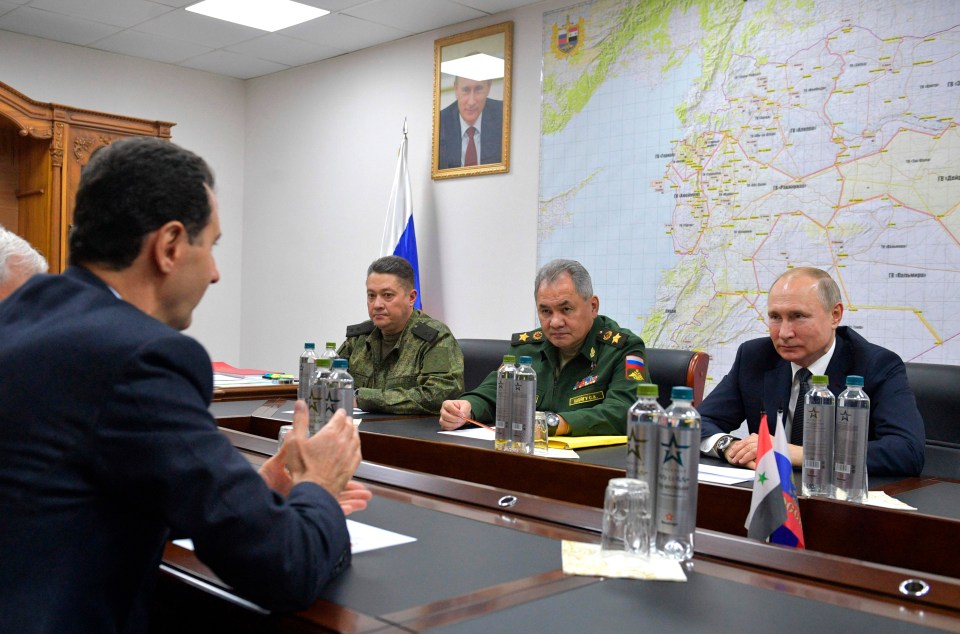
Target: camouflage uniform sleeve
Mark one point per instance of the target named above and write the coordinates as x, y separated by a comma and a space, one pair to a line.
439, 376
609, 418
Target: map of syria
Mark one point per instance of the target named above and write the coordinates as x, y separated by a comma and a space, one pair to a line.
694, 150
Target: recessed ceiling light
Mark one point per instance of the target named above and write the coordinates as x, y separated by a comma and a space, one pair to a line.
266, 15
478, 67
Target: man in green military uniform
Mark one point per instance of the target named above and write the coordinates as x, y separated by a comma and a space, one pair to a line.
402, 361
587, 366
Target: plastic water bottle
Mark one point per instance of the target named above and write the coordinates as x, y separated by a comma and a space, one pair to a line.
819, 414
329, 352
524, 407
850, 442
506, 380
339, 390
679, 459
308, 362
645, 419
318, 394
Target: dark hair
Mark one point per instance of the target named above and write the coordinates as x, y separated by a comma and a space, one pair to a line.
393, 265
130, 188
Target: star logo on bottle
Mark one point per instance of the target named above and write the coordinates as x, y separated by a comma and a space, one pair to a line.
673, 450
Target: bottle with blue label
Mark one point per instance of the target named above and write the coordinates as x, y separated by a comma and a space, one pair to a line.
850, 442
339, 390
524, 407
679, 460
308, 362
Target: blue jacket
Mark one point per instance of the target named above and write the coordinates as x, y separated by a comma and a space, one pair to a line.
451, 140
108, 448
760, 379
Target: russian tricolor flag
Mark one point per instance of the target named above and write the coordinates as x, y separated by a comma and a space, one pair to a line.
774, 512
399, 236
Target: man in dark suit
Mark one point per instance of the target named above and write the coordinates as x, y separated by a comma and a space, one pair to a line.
804, 313
107, 444
471, 128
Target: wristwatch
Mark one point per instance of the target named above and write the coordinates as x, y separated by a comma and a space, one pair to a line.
721, 446
553, 422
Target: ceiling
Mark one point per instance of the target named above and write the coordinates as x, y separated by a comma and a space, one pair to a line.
163, 31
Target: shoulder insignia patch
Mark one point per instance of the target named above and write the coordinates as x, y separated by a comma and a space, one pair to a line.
360, 329
425, 332
533, 336
612, 338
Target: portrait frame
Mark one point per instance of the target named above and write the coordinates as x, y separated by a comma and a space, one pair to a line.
494, 41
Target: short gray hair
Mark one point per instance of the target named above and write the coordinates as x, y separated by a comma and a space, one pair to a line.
16, 254
827, 290
550, 271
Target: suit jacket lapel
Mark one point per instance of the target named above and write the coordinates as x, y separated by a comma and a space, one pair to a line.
776, 391
839, 366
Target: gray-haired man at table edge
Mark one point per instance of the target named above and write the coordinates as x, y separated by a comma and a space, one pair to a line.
803, 313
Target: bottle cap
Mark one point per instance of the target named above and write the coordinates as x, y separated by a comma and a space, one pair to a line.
855, 380
819, 379
509, 358
648, 389
340, 364
525, 360
681, 393
324, 362
309, 346
331, 345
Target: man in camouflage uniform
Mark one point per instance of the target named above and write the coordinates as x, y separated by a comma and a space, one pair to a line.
402, 361
587, 366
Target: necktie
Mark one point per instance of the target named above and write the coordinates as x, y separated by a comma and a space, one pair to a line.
796, 431
470, 158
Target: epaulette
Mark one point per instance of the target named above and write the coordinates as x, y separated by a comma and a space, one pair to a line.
425, 332
612, 338
533, 336
360, 329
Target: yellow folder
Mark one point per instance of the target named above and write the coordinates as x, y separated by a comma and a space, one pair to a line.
585, 442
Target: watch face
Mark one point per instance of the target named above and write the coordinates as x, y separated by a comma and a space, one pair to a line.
553, 420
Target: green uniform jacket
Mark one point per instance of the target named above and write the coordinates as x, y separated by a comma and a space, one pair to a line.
423, 369
593, 391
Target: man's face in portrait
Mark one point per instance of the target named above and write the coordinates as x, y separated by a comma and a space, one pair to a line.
471, 97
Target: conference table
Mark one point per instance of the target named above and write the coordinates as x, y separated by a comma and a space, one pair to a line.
487, 557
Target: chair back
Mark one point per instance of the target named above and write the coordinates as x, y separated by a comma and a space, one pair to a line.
934, 386
671, 368
480, 358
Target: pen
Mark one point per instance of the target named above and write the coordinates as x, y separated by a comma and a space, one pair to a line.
476, 422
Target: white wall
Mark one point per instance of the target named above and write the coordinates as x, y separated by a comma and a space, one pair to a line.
208, 111
305, 161
320, 157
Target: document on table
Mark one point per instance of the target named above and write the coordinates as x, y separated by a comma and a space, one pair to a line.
476, 432
479, 433
724, 475
363, 537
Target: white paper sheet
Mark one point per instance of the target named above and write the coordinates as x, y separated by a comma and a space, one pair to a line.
724, 475
475, 432
364, 537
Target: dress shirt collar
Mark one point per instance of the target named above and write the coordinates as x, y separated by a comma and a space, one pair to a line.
820, 365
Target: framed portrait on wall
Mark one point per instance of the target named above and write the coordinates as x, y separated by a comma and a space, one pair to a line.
471, 102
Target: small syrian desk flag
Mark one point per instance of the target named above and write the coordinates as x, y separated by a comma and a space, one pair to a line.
399, 237
774, 512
